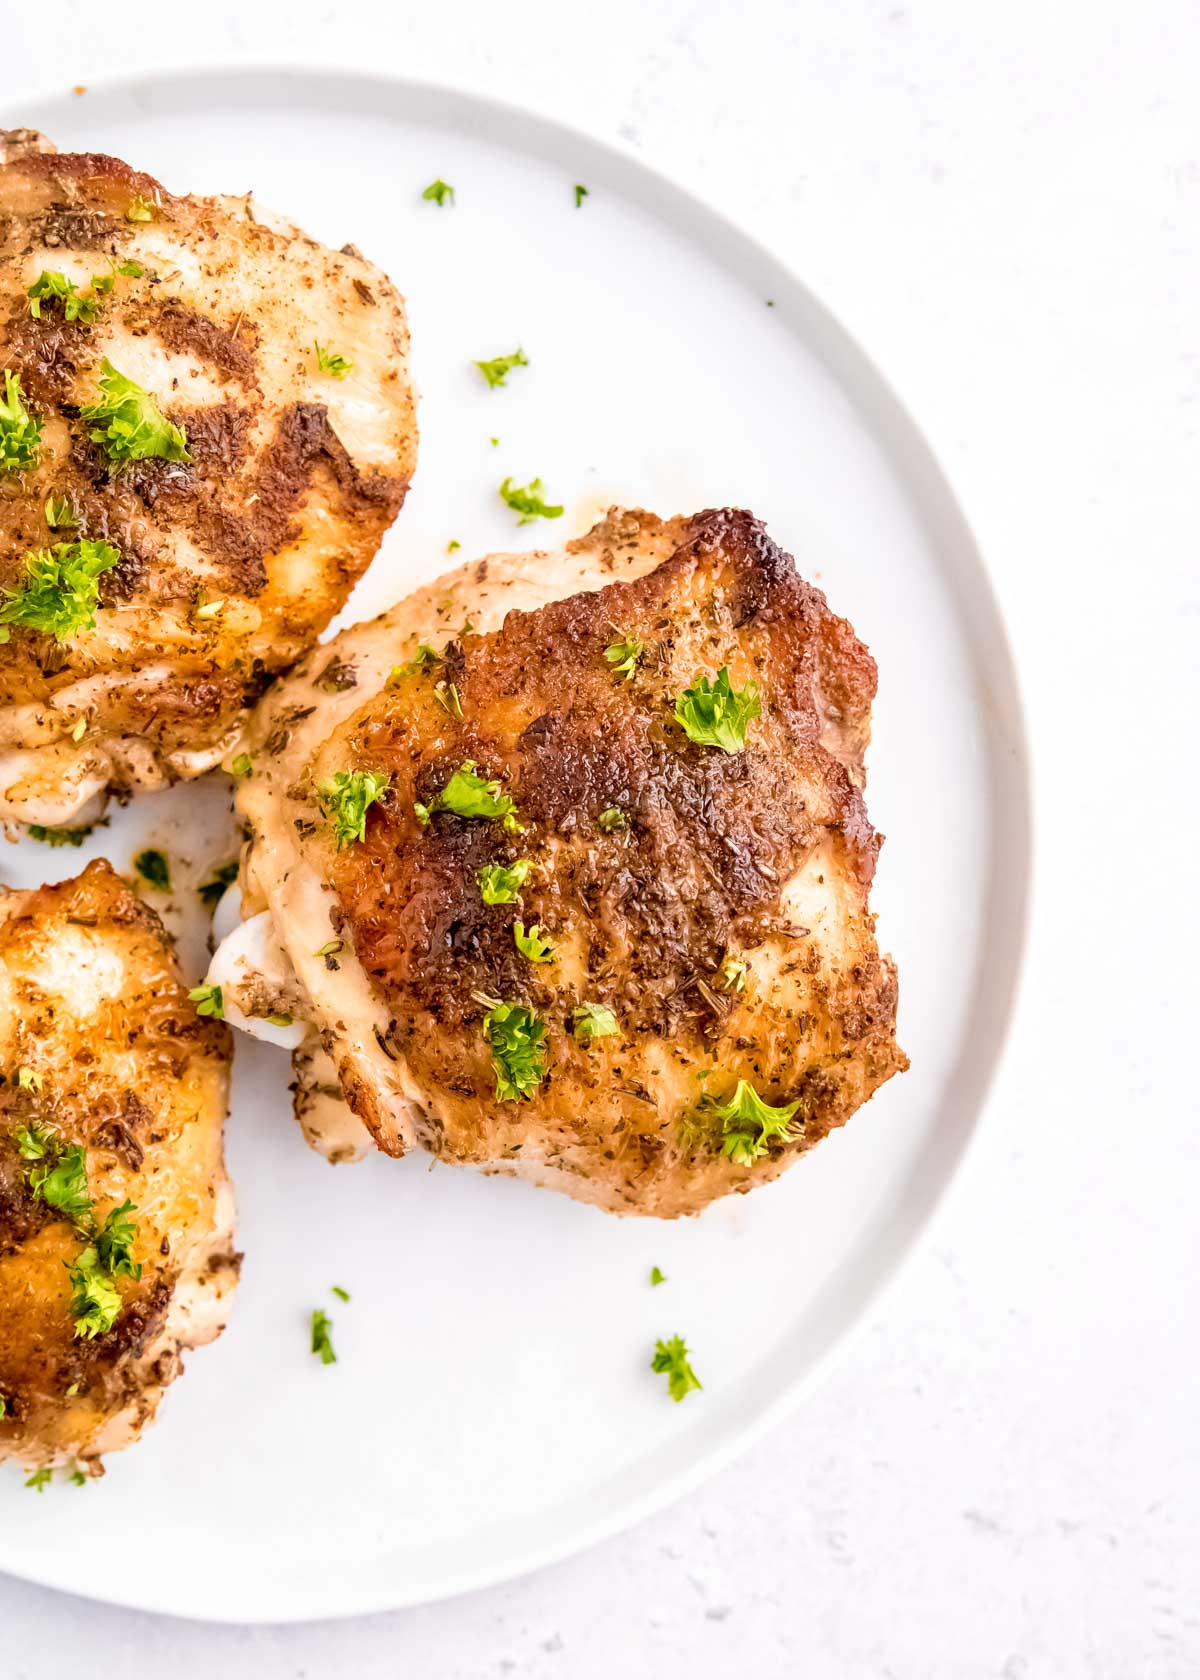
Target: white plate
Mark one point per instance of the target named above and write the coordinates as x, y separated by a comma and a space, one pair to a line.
492, 1407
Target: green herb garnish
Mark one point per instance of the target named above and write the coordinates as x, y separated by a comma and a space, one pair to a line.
60, 515
733, 974
469, 795
447, 697
656, 1277
95, 1303
36, 1142
717, 714
611, 820
53, 287
437, 192
533, 946
154, 869
209, 1000
40, 1479
114, 1242
623, 656
499, 883
528, 501
342, 1294
593, 1020
329, 362
425, 655
750, 1124
130, 425
345, 799
61, 1180
210, 893
29, 1079
672, 1359
517, 1039
320, 1342
61, 589
242, 765
141, 209
58, 836
580, 194
20, 431
499, 367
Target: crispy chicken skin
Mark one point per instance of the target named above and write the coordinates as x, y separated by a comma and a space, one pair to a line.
231, 562
99, 1042
762, 856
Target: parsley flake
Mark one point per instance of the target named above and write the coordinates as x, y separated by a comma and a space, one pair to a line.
611, 820
141, 209
154, 869
345, 799
60, 514
342, 1294
331, 363
320, 1343
36, 1142
533, 946
114, 1242
717, 714
242, 765
499, 883
733, 974
437, 192
496, 371
40, 1479
671, 1358
656, 1277
20, 431
580, 194
209, 1000
469, 795
29, 1079
623, 655
211, 892
61, 589
746, 1110
528, 501
52, 287
425, 655
593, 1020
517, 1039
95, 1302
58, 836
130, 424
61, 1180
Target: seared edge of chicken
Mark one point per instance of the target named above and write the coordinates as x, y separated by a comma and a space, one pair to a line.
102, 1053
721, 921
284, 423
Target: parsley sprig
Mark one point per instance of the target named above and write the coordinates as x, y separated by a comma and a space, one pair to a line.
499, 883
209, 1000
671, 1359
20, 431
328, 361
130, 426
593, 1020
533, 945
345, 799
497, 370
469, 795
517, 1039
749, 1124
623, 655
60, 591
320, 1341
717, 714
527, 501
438, 192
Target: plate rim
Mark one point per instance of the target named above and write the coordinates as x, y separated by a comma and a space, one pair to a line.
888, 417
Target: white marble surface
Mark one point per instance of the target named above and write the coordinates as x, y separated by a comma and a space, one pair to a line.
1002, 1481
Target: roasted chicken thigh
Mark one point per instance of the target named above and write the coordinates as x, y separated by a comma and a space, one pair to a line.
564, 863
206, 427
116, 1217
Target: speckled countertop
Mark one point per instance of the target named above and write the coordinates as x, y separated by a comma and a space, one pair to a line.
1002, 1481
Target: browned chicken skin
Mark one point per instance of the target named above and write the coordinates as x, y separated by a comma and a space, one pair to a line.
232, 560
101, 1049
721, 917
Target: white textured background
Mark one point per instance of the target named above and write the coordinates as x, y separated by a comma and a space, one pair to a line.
1003, 202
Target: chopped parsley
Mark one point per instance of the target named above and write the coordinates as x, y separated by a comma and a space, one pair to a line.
342, 1294
452, 545
95, 1302
3, 1407
580, 194
29, 1079
209, 1000
61, 589
533, 946
499, 883
437, 192
329, 950
425, 655
154, 869
61, 1180
656, 1277
280, 1019
717, 714
36, 1142
77, 1478
447, 698
130, 426
40, 1479
750, 1124
58, 836
320, 1343
345, 799
210, 893
528, 501
141, 209
593, 1020
53, 287
733, 974
623, 656
517, 1039
496, 371
469, 795
611, 820
671, 1358
329, 362
114, 1242
242, 765
60, 514
20, 431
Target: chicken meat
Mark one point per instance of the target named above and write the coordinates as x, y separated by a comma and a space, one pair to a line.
116, 1216
206, 427
561, 868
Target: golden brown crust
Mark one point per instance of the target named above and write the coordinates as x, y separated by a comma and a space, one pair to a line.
766, 855
92, 1002
293, 479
